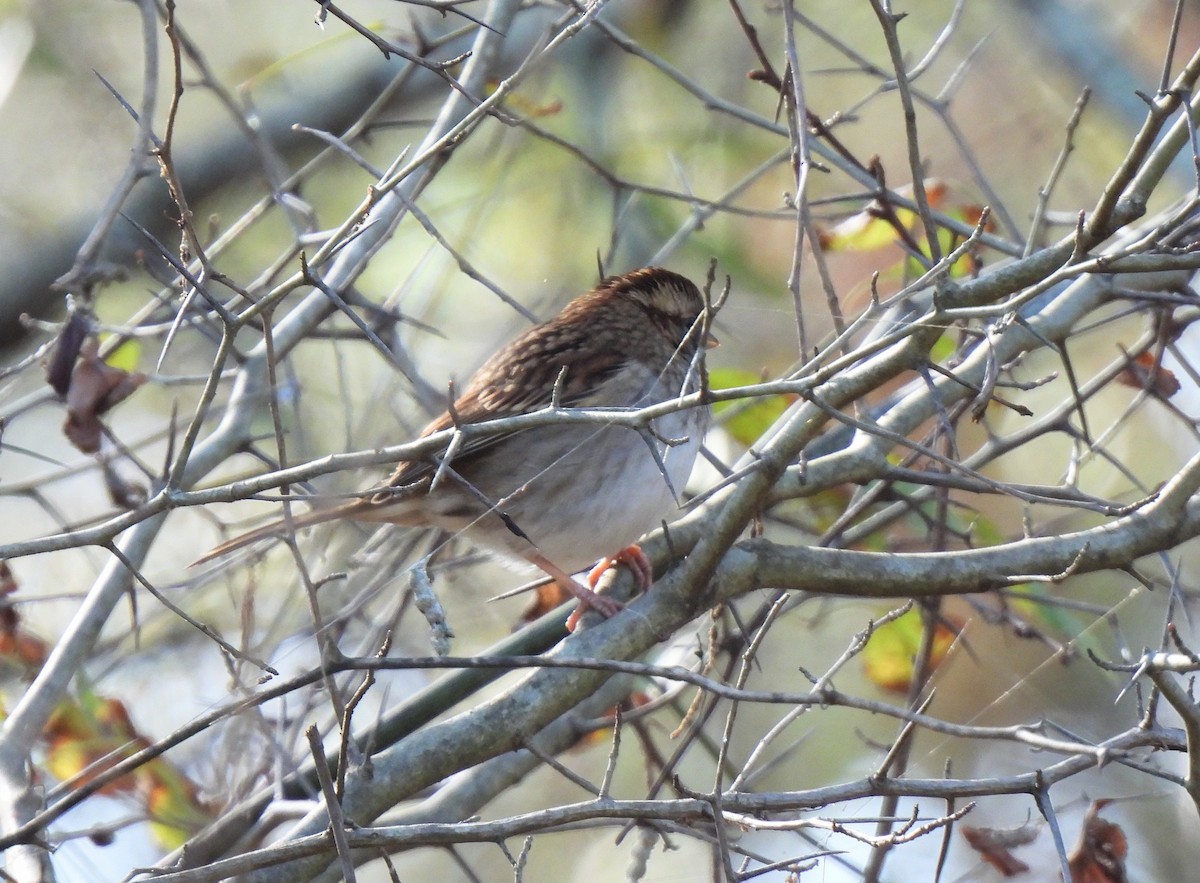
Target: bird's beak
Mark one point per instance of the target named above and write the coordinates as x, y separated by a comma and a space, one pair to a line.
711, 342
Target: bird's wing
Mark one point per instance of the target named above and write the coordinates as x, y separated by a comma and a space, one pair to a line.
518, 380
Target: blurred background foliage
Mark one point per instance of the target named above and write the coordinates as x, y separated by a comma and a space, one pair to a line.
535, 217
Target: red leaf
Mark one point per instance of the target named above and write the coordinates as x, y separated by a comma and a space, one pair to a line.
1099, 856
994, 845
95, 387
1145, 371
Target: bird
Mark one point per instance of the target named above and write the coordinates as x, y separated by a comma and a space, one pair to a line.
560, 497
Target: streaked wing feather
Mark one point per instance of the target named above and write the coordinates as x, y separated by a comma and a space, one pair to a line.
531, 367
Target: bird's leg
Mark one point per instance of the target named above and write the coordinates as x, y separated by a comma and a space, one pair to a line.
632, 557
606, 607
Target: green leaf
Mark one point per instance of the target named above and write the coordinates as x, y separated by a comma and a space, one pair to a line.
748, 419
126, 356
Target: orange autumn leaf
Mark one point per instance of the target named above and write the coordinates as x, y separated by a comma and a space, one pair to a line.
95, 387
1099, 856
973, 214
863, 231
1145, 371
889, 655
176, 811
995, 846
879, 225
870, 229
18, 647
23, 650
85, 738
602, 732
546, 597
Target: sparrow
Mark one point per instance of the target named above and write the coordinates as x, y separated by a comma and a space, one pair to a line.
561, 496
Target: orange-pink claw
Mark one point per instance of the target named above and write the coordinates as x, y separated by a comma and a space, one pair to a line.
632, 557
606, 607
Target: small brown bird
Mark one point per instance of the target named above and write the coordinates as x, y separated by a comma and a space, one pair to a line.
562, 496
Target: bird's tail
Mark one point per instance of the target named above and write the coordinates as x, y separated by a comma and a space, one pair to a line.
278, 528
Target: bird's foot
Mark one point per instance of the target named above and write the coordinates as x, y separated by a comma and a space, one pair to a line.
589, 600
632, 557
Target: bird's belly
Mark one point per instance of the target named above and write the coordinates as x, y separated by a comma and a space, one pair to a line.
607, 490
